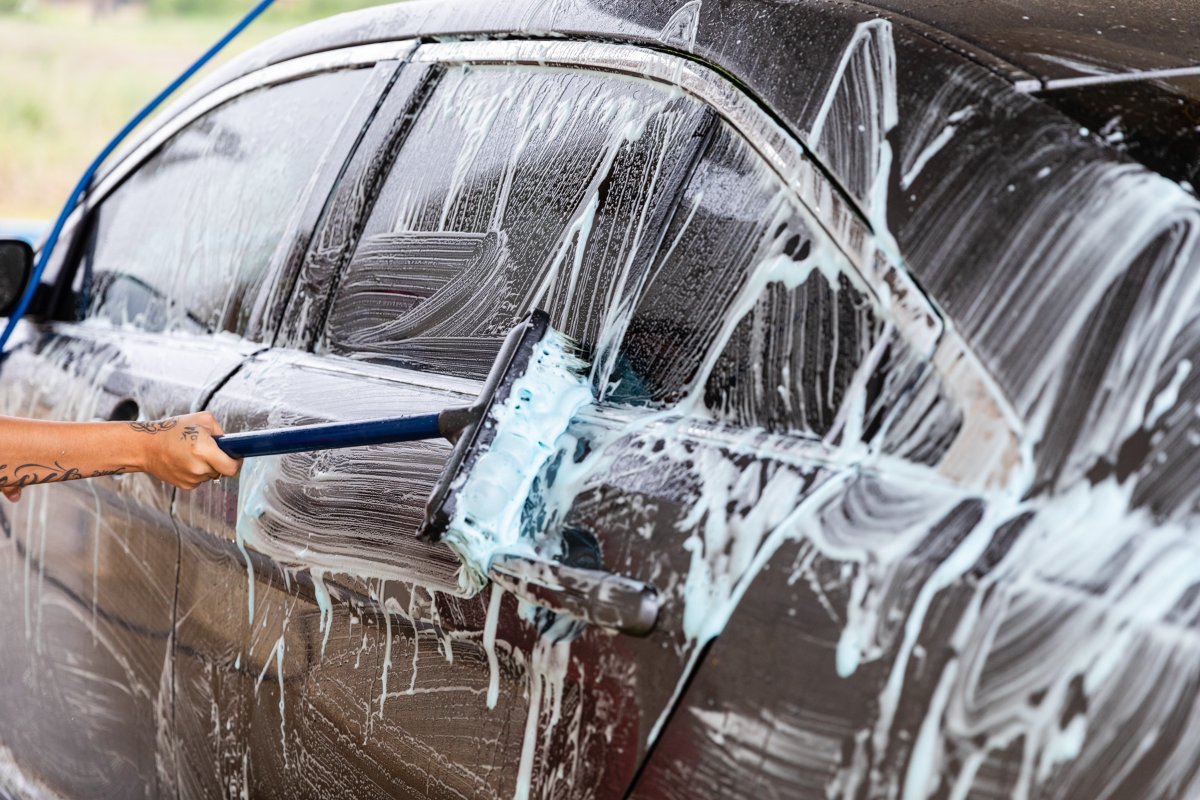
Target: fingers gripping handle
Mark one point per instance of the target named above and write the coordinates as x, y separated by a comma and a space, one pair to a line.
329, 436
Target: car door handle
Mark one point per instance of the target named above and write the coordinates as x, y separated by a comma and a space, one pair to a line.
593, 596
126, 410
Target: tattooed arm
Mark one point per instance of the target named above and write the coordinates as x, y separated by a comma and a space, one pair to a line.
180, 451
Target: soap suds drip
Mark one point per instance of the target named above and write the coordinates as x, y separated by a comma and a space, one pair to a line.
546, 673
276, 654
489, 645
251, 506
324, 604
390, 606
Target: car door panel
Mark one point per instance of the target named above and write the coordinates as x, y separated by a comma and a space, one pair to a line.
358, 502
395, 617
475, 749
793, 713
336, 529
181, 243
91, 568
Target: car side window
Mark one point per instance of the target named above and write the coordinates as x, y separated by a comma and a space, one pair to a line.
749, 318
185, 242
515, 189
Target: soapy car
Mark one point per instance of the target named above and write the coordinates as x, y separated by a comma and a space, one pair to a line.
891, 316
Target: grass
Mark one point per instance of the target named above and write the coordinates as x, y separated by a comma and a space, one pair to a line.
68, 83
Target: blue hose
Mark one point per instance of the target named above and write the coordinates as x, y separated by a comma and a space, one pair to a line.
90, 172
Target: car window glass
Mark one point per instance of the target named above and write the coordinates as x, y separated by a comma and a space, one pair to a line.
746, 312
185, 242
515, 189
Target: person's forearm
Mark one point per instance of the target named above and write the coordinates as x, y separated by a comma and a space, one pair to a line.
33, 452
181, 451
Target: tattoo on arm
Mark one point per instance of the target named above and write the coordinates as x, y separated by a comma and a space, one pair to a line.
31, 474
190, 432
100, 473
154, 427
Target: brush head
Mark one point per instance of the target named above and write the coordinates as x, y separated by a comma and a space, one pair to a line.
536, 386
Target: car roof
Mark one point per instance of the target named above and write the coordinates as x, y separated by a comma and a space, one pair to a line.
1054, 41
1036, 43
778, 49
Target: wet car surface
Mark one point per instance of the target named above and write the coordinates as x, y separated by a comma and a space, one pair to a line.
892, 326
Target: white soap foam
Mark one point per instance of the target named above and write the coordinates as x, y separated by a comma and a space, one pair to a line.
528, 427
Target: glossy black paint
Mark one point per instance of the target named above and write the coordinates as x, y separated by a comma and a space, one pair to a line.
1061, 41
1154, 122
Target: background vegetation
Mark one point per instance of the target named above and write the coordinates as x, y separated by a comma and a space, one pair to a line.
72, 73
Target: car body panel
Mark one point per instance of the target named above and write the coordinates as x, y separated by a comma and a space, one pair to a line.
91, 568
782, 715
619, 690
1155, 122
1057, 41
586, 689
247, 629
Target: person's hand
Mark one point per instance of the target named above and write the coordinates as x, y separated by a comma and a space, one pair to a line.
13, 493
181, 450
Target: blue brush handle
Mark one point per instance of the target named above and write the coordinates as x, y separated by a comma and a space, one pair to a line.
329, 436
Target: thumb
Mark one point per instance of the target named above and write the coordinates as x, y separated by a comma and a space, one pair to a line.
209, 421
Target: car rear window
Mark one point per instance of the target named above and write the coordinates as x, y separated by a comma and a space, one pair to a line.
748, 316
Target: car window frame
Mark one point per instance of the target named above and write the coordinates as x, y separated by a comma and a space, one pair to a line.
655, 224
987, 452
382, 61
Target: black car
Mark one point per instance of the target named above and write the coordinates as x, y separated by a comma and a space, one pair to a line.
892, 315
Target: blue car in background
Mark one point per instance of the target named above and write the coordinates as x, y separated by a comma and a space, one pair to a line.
29, 230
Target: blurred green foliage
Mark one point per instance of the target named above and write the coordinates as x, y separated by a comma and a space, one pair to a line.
72, 72
292, 9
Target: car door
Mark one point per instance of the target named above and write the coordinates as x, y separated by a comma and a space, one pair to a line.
740, 351
312, 548
174, 271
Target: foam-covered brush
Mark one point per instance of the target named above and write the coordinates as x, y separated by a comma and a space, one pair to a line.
502, 442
